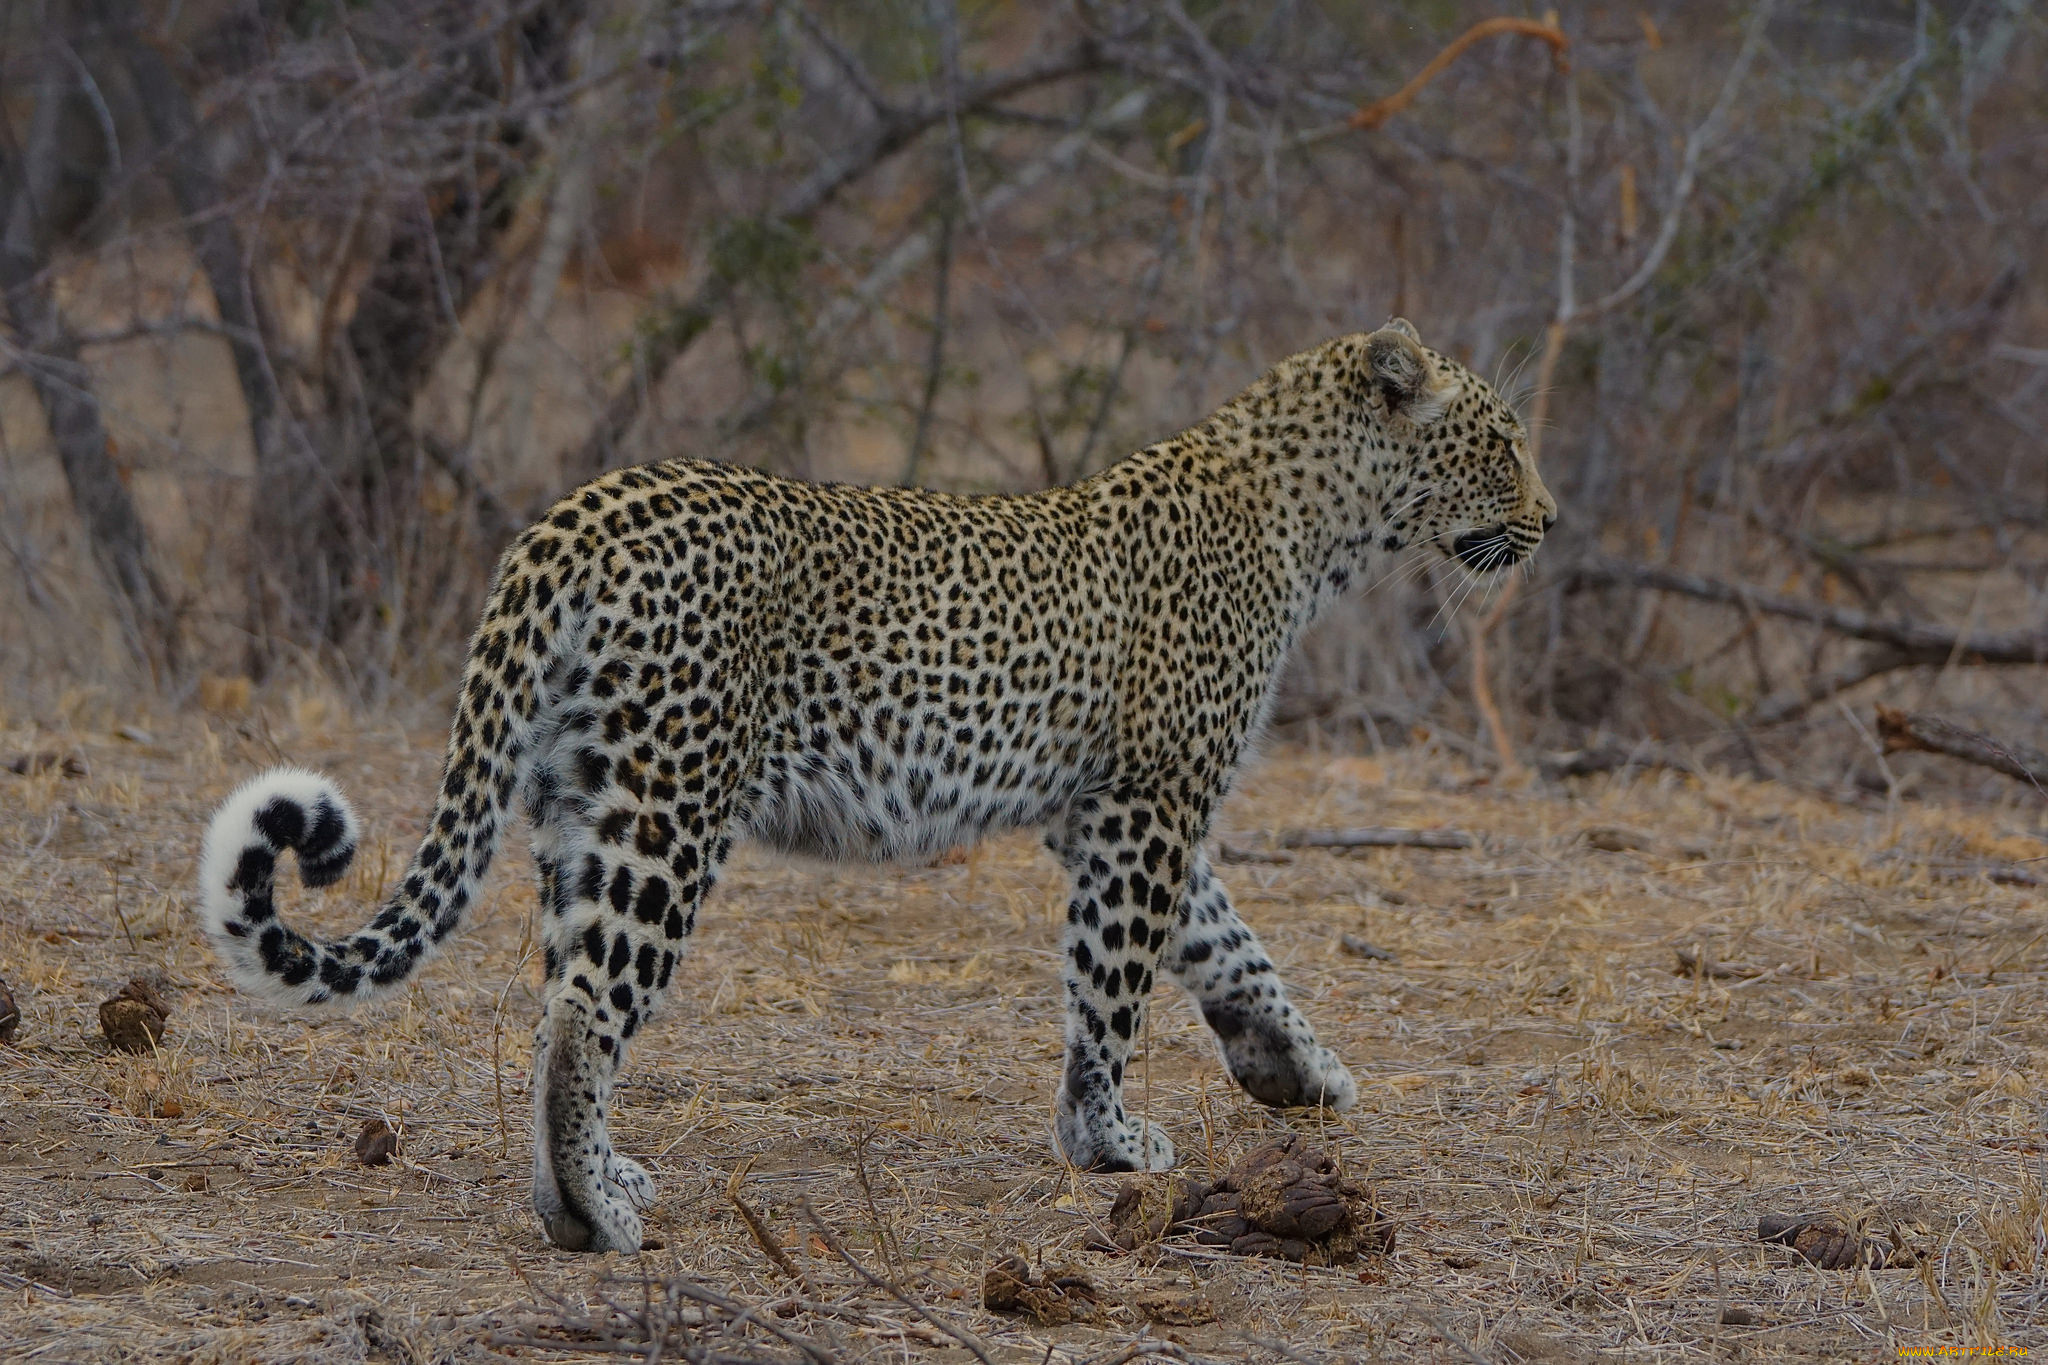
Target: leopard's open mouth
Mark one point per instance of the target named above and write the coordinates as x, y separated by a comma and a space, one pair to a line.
1487, 548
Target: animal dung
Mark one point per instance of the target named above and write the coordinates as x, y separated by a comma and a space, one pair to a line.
376, 1144
1173, 1308
1286, 1200
10, 1015
1053, 1298
1826, 1243
133, 1019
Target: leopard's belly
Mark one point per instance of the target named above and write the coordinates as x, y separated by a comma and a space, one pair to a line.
906, 787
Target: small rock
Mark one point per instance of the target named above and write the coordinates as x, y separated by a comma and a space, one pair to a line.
10, 1015
1054, 1298
1617, 839
376, 1144
134, 1018
1351, 945
1739, 1317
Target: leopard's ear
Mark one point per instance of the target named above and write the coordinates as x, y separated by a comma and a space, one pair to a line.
1403, 379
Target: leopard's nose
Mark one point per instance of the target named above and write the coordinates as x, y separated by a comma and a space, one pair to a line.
1549, 520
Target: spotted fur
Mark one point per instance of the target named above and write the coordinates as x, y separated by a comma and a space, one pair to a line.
682, 655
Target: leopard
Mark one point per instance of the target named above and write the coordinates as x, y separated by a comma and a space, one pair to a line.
683, 655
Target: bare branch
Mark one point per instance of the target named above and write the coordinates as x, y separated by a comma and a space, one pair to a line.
900, 125
935, 358
849, 65
1688, 172
1380, 110
63, 387
843, 312
689, 320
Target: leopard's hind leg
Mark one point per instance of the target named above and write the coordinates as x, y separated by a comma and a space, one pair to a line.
618, 925
637, 812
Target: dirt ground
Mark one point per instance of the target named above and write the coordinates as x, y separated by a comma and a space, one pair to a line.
1575, 1137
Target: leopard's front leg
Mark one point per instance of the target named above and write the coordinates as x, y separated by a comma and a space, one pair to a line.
1128, 856
1266, 1043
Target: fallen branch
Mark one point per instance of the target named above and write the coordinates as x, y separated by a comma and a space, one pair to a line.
1244, 853
1896, 642
1917, 730
1374, 836
1700, 963
1380, 110
1921, 641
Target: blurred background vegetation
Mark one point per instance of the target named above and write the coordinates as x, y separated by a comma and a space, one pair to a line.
310, 303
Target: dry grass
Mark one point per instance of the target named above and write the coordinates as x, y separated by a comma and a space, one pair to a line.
1576, 1139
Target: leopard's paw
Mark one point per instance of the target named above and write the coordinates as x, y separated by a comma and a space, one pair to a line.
629, 1180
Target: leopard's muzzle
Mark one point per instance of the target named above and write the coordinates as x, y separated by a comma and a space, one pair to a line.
1487, 548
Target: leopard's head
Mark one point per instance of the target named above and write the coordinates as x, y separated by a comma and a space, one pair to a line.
1454, 457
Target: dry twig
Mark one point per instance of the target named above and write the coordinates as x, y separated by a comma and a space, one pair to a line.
764, 1236
973, 1343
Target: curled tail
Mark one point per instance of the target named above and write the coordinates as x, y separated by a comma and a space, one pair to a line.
534, 608
290, 808
285, 808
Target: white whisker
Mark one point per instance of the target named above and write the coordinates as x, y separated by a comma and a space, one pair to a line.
1448, 610
1412, 560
